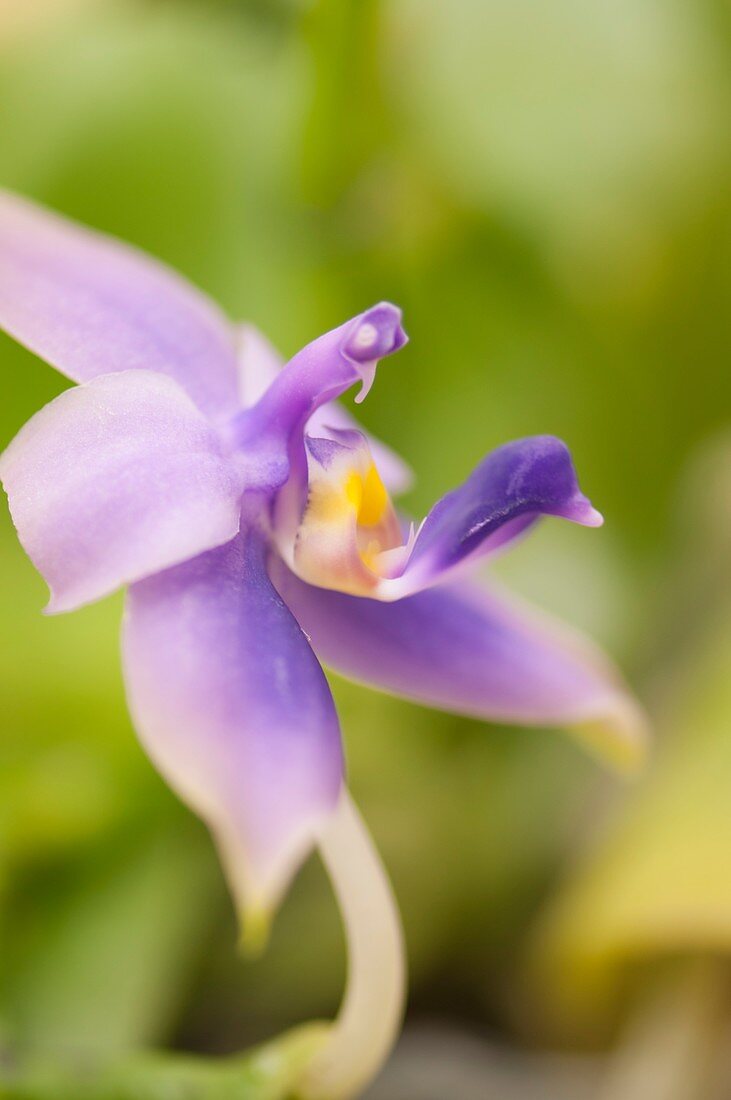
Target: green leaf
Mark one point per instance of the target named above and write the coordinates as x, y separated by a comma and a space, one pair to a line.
268, 1073
103, 963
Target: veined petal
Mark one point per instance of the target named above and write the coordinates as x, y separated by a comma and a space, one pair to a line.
117, 479
233, 707
91, 305
510, 489
469, 650
259, 365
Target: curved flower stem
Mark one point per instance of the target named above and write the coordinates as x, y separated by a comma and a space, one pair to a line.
370, 1016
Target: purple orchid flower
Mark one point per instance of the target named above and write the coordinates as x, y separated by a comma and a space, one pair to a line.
254, 525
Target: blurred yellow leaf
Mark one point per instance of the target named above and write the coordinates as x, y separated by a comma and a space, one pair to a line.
658, 882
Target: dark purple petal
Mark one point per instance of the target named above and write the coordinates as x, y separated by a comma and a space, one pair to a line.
91, 305
233, 707
511, 488
461, 648
117, 479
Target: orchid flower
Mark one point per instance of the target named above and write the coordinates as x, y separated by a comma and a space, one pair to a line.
254, 526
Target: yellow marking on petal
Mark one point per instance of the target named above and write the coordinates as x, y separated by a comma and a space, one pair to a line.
353, 490
374, 498
366, 496
347, 525
328, 504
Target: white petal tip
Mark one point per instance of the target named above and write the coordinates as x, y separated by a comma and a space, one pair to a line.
582, 511
579, 510
593, 518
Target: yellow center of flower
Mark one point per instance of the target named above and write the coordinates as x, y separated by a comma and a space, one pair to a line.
348, 524
367, 495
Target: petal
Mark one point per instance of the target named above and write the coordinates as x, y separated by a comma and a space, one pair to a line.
115, 480
511, 488
259, 363
91, 305
233, 707
464, 649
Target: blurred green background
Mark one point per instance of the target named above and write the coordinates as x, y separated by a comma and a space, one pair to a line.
544, 186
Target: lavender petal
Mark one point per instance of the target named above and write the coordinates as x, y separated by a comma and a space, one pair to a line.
117, 479
472, 651
234, 710
92, 305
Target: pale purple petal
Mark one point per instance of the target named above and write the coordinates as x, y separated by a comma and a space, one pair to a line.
465, 649
91, 305
259, 363
117, 479
511, 488
233, 707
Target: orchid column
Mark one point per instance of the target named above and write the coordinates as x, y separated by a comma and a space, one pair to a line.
255, 527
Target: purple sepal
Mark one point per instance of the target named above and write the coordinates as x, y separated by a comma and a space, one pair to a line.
92, 305
117, 479
234, 709
466, 649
